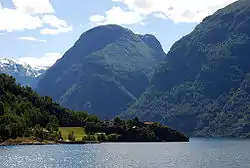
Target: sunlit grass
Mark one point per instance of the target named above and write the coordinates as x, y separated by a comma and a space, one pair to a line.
79, 132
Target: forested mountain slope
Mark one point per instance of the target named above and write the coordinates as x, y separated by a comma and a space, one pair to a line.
202, 87
104, 72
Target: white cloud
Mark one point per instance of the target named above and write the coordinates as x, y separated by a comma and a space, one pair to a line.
176, 10
97, 18
48, 31
59, 26
31, 39
31, 14
12, 20
34, 6
54, 21
47, 60
117, 15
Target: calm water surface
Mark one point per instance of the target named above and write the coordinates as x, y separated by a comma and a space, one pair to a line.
199, 153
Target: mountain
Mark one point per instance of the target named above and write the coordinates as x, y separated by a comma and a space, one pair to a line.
104, 71
203, 86
24, 73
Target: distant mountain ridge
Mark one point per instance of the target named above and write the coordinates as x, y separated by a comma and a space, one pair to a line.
106, 69
24, 73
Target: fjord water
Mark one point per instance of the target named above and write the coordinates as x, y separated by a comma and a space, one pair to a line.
198, 153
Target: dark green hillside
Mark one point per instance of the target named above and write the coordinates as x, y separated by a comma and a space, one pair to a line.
21, 109
25, 114
104, 72
202, 88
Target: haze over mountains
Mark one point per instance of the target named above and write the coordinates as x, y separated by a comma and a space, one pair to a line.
104, 72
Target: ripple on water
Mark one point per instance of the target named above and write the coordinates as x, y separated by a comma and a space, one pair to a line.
198, 153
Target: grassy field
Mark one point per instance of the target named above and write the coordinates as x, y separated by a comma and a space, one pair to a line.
78, 131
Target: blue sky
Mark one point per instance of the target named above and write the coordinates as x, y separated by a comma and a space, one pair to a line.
41, 31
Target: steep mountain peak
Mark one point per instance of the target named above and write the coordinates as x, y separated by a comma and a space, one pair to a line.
152, 42
109, 28
100, 36
94, 40
106, 69
104, 34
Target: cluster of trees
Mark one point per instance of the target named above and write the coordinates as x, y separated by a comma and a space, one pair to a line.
23, 113
118, 130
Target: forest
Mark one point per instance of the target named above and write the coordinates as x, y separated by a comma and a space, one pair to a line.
23, 113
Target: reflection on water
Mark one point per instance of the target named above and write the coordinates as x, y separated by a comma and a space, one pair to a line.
207, 153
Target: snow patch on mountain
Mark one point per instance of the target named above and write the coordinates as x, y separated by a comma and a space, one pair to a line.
15, 67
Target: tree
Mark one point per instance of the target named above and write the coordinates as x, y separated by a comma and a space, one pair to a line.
85, 138
101, 137
60, 135
17, 130
52, 126
113, 137
53, 136
22, 107
88, 138
2, 93
27, 132
71, 136
92, 137
136, 121
117, 121
1, 108
38, 132
90, 127
5, 131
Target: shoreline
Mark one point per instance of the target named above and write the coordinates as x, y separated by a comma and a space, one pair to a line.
27, 143
18, 143
6, 143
